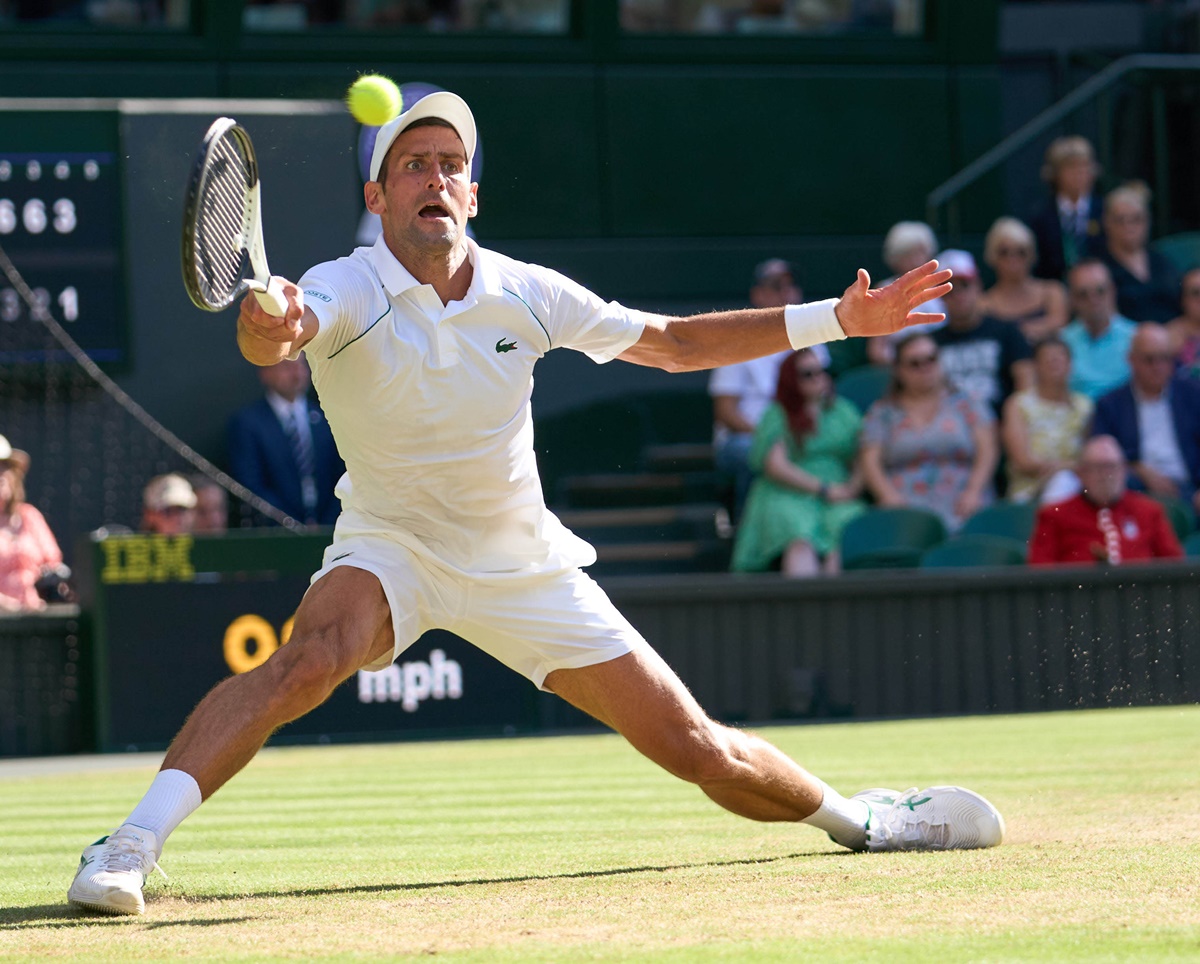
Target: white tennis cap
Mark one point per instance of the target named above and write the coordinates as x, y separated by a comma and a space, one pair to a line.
441, 104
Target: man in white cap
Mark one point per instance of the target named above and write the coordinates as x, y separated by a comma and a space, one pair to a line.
422, 349
168, 505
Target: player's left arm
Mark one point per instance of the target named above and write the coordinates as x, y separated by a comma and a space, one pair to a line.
726, 337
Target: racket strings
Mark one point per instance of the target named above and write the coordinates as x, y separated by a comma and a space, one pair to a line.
220, 222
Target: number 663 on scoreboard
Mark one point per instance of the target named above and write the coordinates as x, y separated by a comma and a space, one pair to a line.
61, 226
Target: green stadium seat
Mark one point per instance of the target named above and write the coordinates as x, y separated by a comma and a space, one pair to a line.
1182, 249
1191, 545
1179, 514
1013, 520
890, 538
863, 385
976, 550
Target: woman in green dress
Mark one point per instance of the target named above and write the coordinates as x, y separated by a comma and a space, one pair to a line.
805, 450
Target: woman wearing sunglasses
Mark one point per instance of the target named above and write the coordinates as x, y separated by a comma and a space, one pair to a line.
926, 445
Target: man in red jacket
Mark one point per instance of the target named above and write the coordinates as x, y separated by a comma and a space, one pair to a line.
1104, 523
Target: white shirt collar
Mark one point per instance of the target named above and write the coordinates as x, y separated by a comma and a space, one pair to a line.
485, 278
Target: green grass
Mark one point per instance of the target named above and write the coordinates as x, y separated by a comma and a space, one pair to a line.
575, 848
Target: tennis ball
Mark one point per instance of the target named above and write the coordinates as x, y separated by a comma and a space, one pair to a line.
373, 99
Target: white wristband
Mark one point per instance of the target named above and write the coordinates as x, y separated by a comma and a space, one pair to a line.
812, 324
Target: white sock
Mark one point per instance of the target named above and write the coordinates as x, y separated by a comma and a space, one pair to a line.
844, 820
171, 798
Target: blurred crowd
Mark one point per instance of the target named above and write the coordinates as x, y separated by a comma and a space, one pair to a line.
1070, 379
279, 447
1065, 374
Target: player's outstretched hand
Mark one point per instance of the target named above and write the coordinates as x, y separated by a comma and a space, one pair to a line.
257, 322
864, 311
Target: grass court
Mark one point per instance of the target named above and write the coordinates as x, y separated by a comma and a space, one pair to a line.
574, 848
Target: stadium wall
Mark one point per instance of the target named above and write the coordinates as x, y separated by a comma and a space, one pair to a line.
656, 170
752, 649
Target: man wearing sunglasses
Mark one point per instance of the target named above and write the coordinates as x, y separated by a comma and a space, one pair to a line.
1099, 337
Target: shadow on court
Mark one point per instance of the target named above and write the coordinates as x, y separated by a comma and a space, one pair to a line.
59, 916
520, 879
62, 915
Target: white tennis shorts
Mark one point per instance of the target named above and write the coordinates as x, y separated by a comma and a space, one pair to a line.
533, 624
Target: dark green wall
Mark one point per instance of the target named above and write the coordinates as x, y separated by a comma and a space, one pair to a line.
655, 170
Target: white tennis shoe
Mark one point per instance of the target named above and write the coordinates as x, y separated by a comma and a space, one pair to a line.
113, 870
938, 818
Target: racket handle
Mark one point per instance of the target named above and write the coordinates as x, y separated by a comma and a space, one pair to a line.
270, 296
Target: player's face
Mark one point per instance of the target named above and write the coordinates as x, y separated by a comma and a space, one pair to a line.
427, 195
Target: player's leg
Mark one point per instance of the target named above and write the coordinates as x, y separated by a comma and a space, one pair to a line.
640, 697
566, 636
344, 622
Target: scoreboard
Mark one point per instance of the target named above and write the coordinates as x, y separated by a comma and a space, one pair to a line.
61, 226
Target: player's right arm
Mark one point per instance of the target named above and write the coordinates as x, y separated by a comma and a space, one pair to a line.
266, 339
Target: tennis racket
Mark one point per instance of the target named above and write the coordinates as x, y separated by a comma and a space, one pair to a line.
223, 254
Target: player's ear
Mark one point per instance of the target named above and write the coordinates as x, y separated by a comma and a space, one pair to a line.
474, 208
374, 197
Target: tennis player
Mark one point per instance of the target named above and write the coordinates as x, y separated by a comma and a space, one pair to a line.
422, 349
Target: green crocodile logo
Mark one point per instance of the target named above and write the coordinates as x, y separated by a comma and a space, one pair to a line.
503, 346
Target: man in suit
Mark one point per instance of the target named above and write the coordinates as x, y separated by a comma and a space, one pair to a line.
1156, 420
281, 448
1068, 224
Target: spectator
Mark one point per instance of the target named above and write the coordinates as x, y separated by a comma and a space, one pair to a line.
212, 505
908, 245
805, 448
28, 550
281, 448
925, 444
983, 357
1035, 305
1147, 282
1155, 420
742, 392
1184, 331
1043, 427
1098, 337
168, 505
1105, 523
1067, 225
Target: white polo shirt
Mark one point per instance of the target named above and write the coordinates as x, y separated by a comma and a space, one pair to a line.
429, 404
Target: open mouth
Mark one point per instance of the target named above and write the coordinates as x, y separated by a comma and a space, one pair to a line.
433, 211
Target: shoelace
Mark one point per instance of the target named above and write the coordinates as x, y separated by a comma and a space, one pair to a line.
903, 822
125, 854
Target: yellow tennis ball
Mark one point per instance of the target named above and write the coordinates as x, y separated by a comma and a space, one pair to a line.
373, 99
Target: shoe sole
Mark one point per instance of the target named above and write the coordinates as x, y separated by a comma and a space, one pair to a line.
105, 908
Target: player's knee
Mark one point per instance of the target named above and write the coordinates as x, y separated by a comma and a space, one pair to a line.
710, 755
305, 671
